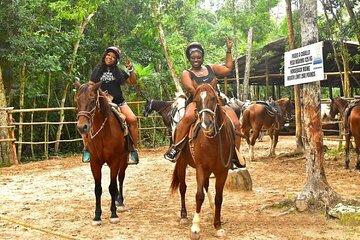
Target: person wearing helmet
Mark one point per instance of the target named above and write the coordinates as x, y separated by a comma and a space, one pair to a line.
191, 79
112, 78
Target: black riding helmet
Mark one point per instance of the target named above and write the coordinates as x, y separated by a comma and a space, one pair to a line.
194, 46
116, 51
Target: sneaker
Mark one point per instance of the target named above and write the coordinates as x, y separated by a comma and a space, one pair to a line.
236, 164
171, 154
134, 158
85, 156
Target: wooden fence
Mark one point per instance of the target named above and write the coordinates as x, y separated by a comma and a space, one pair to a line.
150, 125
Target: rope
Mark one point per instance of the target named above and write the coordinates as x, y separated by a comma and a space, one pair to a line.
36, 228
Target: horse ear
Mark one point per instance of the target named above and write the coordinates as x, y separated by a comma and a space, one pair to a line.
96, 86
77, 83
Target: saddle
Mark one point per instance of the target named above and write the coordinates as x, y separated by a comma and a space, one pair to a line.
347, 111
120, 117
272, 110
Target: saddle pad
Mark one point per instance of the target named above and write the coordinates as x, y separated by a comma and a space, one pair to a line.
121, 118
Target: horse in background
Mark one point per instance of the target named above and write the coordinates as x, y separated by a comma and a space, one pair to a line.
337, 106
265, 116
170, 111
210, 148
106, 143
351, 120
164, 108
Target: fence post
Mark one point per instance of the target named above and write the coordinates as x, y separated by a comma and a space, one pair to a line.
12, 136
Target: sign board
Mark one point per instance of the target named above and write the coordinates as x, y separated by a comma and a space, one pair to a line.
304, 65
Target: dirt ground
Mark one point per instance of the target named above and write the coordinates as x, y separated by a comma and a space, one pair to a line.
54, 199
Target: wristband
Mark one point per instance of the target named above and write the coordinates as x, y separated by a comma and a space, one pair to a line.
228, 51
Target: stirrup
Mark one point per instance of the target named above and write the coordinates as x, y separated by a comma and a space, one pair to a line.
171, 154
236, 164
85, 156
133, 158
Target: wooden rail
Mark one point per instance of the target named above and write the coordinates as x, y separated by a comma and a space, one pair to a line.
11, 126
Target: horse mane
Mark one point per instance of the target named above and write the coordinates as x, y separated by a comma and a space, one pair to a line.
161, 104
104, 105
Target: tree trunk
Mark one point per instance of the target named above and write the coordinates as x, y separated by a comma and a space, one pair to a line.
168, 59
342, 49
353, 19
4, 147
298, 133
246, 83
21, 106
317, 193
65, 91
236, 52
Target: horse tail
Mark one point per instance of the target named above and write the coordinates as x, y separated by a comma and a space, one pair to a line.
175, 180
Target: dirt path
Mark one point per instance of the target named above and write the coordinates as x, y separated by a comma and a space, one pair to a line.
54, 199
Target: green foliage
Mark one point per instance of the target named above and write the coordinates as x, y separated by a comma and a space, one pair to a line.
41, 34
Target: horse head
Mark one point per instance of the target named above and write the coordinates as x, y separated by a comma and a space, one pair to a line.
207, 102
337, 105
148, 108
287, 107
87, 100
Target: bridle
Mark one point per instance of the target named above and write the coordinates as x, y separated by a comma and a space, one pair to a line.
216, 130
90, 116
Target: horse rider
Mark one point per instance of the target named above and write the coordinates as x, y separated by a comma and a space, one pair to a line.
112, 78
193, 77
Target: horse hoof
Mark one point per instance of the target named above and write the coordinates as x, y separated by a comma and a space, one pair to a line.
220, 233
184, 221
195, 235
122, 209
96, 222
114, 220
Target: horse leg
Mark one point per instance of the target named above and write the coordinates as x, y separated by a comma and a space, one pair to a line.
219, 186
113, 193
182, 189
209, 195
274, 136
347, 149
120, 196
96, 171
357, 144
195, 228
252, 143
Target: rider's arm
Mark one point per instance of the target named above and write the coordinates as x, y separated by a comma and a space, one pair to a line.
222, 70
132, 76
187, 82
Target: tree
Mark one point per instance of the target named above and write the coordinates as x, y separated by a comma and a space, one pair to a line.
317, 191
291, 37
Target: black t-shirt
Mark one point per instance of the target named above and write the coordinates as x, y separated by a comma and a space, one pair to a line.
111, 82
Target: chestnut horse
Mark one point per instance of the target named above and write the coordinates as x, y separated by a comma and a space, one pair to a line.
263, 116
351, 119
210, 148
106, 144
337, 105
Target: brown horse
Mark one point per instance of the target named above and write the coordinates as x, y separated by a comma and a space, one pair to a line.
164, 108
351, 119
210, 148
106, 144
171, 112
337, 106
263, 116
